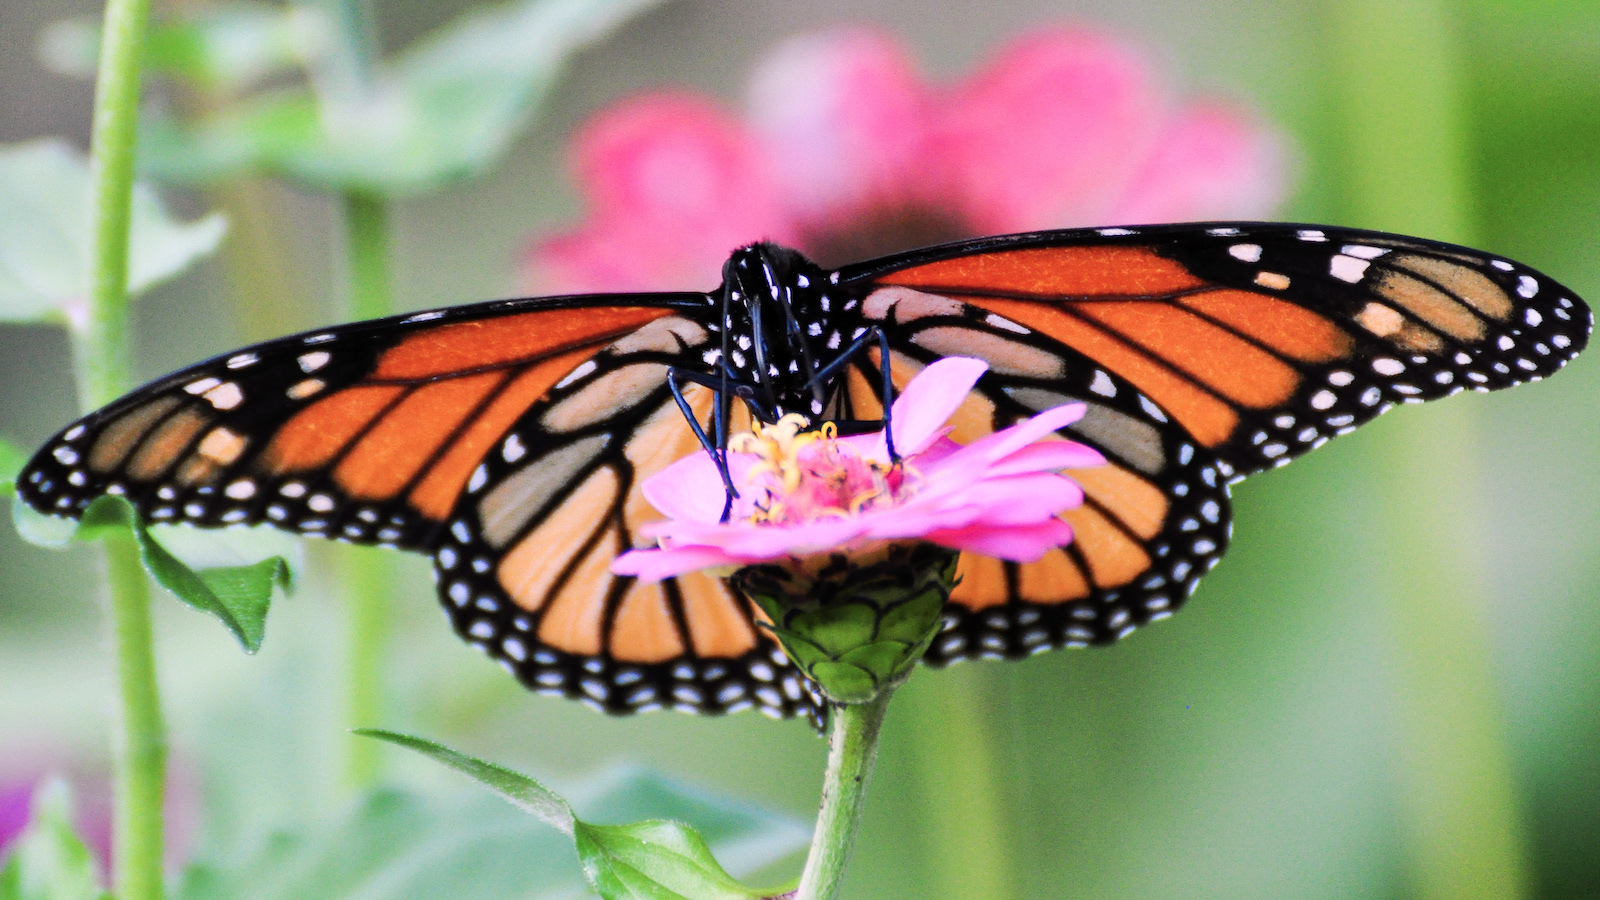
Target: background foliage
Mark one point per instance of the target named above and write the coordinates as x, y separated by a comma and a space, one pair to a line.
1254, 746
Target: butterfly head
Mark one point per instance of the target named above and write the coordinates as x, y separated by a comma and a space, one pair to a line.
781, 329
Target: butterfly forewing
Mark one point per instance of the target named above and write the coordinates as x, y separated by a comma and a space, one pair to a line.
1262, 341
366, 432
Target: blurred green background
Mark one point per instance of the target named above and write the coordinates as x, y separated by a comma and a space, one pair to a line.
1390, 688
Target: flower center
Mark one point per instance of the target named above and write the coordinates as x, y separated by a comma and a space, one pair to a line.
801, 476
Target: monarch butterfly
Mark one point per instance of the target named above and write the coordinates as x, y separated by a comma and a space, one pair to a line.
509, 439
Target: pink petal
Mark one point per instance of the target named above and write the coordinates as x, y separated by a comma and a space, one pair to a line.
1048, 456
654, 565
690, 488
1014, 543
1211, 163
1026, 499
842, 114
1048, 133
674, 184
921, 410
994, 447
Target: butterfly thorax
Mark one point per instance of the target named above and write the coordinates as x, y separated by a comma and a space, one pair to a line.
784, 322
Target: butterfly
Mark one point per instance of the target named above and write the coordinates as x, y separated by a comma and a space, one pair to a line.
509, 439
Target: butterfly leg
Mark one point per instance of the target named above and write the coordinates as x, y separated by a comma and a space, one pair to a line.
851, 352
718, 448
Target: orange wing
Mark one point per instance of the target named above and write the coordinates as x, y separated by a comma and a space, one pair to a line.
1262, 341
508, 439
1204, 353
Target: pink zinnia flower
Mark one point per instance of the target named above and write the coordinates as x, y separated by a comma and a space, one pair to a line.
808, 493
847, 152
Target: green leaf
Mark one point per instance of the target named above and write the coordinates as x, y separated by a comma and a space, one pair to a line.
654, 861
524, 793
48, 861
445, 109
12, 459
649, 860
44, 235
237, 595
224, 48
399, 846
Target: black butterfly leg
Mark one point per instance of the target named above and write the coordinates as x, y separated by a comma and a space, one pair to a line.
851, 352
718, 448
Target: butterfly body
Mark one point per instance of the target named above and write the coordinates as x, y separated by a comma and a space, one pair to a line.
508, 440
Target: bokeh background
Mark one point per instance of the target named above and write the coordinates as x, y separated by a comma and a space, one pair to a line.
1390, 688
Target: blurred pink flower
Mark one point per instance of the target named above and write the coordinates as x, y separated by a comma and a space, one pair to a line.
92, 806
847, 152
807, 493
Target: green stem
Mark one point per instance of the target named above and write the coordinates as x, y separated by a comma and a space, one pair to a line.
367, 230
852, 748
102, 338
962, 820
365, 570
141, 744
365, 574
102, 360
1409, 170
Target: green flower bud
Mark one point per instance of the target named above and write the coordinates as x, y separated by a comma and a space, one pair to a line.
855, 624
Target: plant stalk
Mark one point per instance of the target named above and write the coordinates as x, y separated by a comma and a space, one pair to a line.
140, 740
364, 569
1399, 75
950, 730
852, 749
103, 363
366, 218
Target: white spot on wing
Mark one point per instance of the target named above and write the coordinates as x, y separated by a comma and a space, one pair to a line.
1347, 268
587, 367
1362, 251
1103, 385
225, 396
1246, 252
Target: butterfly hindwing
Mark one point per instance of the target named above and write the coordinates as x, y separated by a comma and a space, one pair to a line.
1154, 519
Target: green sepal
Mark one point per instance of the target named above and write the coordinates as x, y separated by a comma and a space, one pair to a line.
239, 596
12, 459
649, 860
49, 861
855, 627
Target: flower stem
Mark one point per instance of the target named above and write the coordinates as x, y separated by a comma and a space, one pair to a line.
141, 744
950, 729
366, 218
852, 749
364, 569
102, 361
1399, 68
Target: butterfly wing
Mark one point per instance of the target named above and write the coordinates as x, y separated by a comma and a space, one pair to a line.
1263, 340
1202, 351
507, 439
